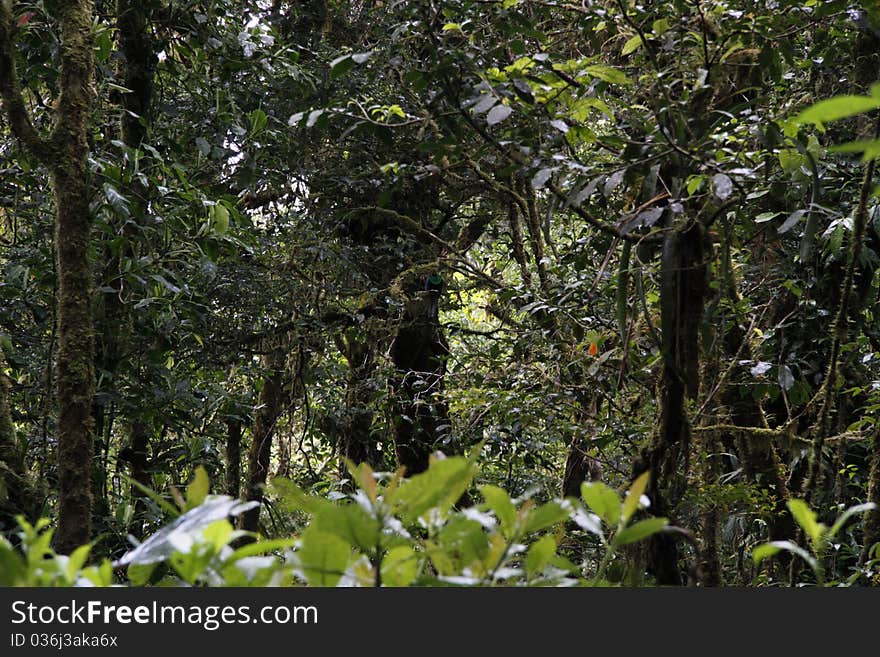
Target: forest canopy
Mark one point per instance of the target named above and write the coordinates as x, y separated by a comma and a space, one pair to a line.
459, 292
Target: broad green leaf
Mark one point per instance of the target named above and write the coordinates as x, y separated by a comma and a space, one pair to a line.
351, 523
870, 148
258, 120
498, 114
849, 513
400, 566
540, 179
160, 545
439, 487
806, 518
660, 26
634, 495
631, 45
793, 219
608, 74
769, 549
340, 66
544, 516
220, 218
139, 574
76, 561
639, 531
460, 544
764, 551
839, 107
198, 488
500, 503
602, 500
314, 115
260, 547
163, 504
323, 557
539, 554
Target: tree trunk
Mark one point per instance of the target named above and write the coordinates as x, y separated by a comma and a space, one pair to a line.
65, 154
682, 292
357, 443
13, 479
139, 459
233, 457
872, 518
138, 66
419, 351
262, 432
74, 366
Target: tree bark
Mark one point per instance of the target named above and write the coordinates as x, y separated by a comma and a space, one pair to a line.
262, 433
419, 351
357, 443
65, 154
233, 457
682, 293
13, 477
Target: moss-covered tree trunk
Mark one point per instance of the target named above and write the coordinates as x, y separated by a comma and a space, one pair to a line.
269, 408
419, 353
13, 480
75, 377
682, 293
357, 443
872, 518
65, 154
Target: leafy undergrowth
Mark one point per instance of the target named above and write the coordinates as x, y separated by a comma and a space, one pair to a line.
390, 532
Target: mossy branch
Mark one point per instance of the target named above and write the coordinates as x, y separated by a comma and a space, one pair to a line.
11, 94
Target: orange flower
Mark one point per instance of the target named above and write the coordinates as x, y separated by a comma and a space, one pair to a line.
594, 349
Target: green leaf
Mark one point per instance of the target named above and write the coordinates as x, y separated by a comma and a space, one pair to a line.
849, 513
608, 74
350, 523
764, 217
139, 574
839, 107
260, 547
218, 534
498, 113
602, 500
198, 488
76, 561
806, 518
769, 549
500, 503
634, 495
639, 531
258, 120
870, 148
163, 504
439, 487
340, 66
400, 566
544, 516
764, 551
219, 218
539, 554
631, 45
323, 557
117, 201
660, 26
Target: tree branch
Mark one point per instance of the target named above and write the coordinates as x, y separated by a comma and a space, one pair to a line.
10, 92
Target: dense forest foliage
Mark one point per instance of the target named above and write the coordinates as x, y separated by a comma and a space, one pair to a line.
440, 292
